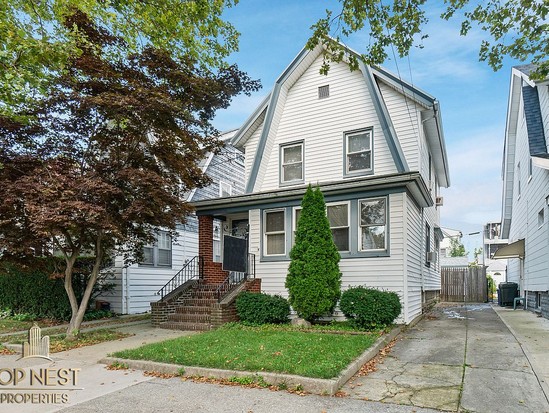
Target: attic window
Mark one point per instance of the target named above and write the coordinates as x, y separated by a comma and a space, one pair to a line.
324, 91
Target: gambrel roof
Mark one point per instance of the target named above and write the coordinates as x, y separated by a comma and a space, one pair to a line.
266, 111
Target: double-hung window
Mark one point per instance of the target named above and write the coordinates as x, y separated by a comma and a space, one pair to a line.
373, 224
158, 254
225, 189
274, 232
338, 216
358, 152
291, 163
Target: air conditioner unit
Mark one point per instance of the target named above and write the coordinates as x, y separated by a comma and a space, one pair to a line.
431, 256
439, 201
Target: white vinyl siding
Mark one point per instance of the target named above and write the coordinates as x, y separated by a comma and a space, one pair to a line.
321, 123
527, 208
384, 272
405, 115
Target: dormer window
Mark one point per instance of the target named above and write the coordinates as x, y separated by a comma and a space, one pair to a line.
291, 163
358, 152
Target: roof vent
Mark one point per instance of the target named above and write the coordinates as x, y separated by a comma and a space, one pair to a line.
324, 91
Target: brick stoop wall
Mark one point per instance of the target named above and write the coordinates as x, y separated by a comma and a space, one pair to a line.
197, 307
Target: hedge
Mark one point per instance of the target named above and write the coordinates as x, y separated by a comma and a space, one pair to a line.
259, 308
30, 288
370, 308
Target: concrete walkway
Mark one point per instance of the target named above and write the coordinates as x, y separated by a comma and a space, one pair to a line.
456, 359
463, 358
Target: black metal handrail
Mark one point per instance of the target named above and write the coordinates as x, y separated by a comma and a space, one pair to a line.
193, 269
236, 278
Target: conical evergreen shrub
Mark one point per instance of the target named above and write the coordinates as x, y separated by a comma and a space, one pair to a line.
314, 280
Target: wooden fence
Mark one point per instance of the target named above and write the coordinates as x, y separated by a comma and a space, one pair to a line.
460, 284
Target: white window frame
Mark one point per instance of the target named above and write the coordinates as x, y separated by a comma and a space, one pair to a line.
370, 134
282, 164
266, 234
155, 252
360, 226
226, 185
348, 226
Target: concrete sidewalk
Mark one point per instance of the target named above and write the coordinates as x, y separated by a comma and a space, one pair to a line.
460, 358
532, 333
94, 380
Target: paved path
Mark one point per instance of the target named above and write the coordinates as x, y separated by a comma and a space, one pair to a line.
455, 359
458, 358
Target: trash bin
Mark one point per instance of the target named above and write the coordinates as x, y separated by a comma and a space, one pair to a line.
507, 293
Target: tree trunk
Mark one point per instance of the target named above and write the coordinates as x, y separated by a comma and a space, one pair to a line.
78, 310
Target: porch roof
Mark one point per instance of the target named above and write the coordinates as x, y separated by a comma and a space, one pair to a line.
412, 182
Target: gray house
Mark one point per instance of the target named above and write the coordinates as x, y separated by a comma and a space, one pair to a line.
526, 189
136, 285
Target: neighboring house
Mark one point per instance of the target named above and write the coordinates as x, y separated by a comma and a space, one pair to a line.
445, 244
526, 189
446, 260
493, 240
136, 285
374, 145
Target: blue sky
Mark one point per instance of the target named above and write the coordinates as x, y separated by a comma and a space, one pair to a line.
473, 98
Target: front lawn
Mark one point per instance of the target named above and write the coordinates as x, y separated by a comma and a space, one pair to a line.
86, 338
272, 349
10, 325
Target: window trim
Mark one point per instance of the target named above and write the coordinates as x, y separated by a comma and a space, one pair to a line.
281, 164
230, 191
346, 135
359, 226
347, 203
155, 252
265, 234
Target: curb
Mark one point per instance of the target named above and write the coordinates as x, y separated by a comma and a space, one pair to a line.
310, 385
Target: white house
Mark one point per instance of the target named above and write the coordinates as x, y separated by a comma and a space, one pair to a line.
526, 189
136, 285
374, 145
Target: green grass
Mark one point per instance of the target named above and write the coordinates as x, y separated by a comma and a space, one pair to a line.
272, 349
86, 338
9, 325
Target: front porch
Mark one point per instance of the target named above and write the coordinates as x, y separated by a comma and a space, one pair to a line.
202, 295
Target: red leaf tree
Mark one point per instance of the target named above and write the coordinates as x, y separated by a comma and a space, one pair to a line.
107, 157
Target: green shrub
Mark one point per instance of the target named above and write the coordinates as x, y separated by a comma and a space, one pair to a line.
370, 308
36, 287
314, 279
258, 308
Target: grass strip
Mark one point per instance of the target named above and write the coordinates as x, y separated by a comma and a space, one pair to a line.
88, 338
271, 349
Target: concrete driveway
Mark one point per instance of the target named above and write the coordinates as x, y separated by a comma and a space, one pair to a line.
458, 358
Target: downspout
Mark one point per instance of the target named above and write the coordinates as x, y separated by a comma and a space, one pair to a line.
126, 292
424, 255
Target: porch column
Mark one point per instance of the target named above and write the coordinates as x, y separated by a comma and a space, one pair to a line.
205, 237
213, 271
